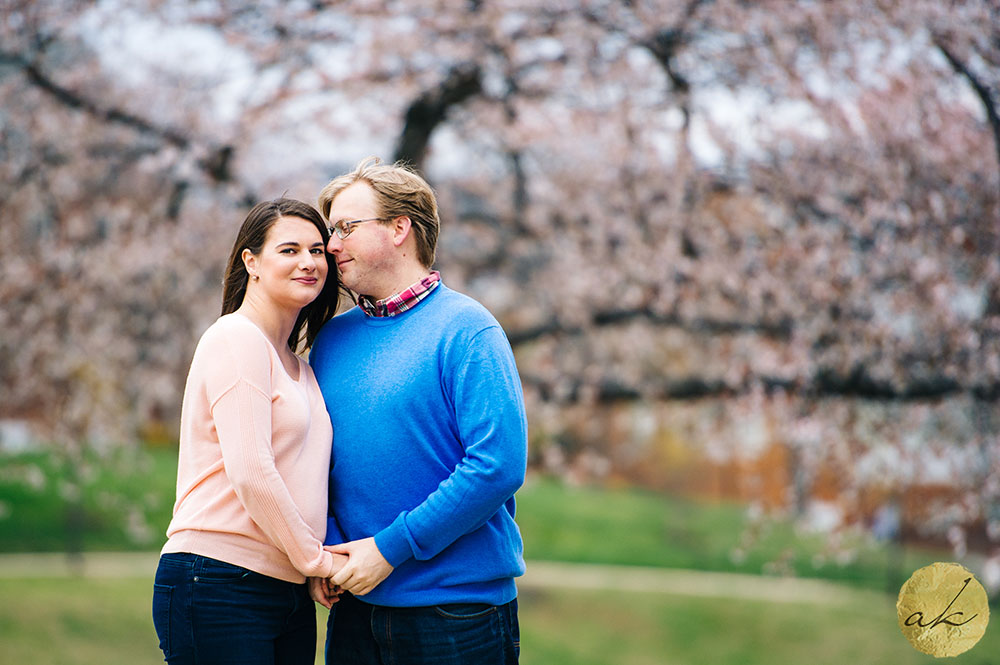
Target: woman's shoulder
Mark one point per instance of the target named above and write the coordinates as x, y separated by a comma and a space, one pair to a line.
232, 348
230, 325
233, 333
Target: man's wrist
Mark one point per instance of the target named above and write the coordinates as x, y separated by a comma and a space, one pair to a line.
393, 542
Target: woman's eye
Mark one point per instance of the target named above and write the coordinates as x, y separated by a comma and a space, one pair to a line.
317, 251
288, 250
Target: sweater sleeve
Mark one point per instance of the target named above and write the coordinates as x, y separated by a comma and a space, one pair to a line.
489, 413
239, 392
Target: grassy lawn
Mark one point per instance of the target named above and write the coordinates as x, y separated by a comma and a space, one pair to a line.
120, 501
125, 504
630, 526
600, 628
126, 500
93, 621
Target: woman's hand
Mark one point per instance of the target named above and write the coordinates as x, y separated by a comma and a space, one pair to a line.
323, 591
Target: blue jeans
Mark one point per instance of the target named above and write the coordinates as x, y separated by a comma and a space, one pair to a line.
209, 611
358, 633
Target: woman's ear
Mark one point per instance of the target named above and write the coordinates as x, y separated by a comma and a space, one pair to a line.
250, 263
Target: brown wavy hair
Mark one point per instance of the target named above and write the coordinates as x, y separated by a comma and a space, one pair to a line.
252, 235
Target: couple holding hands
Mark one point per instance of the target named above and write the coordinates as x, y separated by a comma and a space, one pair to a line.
376, 479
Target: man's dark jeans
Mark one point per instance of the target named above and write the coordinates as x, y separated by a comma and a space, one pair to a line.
467, 634
208, 611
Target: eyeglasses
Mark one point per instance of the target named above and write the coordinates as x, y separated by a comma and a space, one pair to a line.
344, 229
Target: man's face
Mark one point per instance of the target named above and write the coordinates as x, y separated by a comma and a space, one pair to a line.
365, 257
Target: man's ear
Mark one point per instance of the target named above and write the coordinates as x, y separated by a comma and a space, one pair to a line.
401, 227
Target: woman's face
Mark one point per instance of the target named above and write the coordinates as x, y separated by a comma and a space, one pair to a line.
291, 265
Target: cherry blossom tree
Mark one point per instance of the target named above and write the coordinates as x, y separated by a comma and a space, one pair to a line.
752, 222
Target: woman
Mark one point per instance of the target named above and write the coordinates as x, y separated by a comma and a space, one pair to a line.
250, 516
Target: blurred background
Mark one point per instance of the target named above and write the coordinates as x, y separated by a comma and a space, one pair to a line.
747, 255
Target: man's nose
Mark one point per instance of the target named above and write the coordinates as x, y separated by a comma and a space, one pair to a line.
335, 244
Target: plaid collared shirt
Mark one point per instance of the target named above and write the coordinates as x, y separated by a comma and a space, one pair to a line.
403, 300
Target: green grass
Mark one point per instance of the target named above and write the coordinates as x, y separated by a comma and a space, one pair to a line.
625, 526
94, 620
88, 621
126, 501
631, 526
118, 501
600, 628
62, 621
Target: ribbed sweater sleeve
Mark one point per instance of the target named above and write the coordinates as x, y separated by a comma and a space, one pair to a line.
239, 391
242, 418
486, 392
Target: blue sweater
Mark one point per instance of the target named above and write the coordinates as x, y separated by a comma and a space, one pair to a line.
429, 446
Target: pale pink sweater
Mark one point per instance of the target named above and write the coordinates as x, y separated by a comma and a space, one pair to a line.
254, 458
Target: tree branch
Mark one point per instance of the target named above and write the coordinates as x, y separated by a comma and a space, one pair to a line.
69, 98
216, 164
824, 384
779, 330
982, 92
428, 110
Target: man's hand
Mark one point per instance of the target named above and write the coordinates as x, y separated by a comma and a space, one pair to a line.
365, 567
322, 590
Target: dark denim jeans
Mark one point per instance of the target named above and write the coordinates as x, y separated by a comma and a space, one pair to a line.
358, 633
208, 611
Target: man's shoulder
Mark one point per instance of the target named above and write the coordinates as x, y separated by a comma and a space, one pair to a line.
463, 322
336, 329
463, 309
345, 319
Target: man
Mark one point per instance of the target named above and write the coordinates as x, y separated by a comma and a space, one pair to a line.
429, 444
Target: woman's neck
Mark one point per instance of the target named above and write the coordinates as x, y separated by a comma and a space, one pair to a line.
275, 322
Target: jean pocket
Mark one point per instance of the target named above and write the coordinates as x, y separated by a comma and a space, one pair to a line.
216, 572
465, 610
162, 597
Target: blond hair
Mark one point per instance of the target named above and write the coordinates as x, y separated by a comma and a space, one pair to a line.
399, 192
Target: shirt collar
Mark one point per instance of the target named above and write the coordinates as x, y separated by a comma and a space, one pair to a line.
402, 301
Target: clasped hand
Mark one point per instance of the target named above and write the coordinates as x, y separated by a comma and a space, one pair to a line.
359, 567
